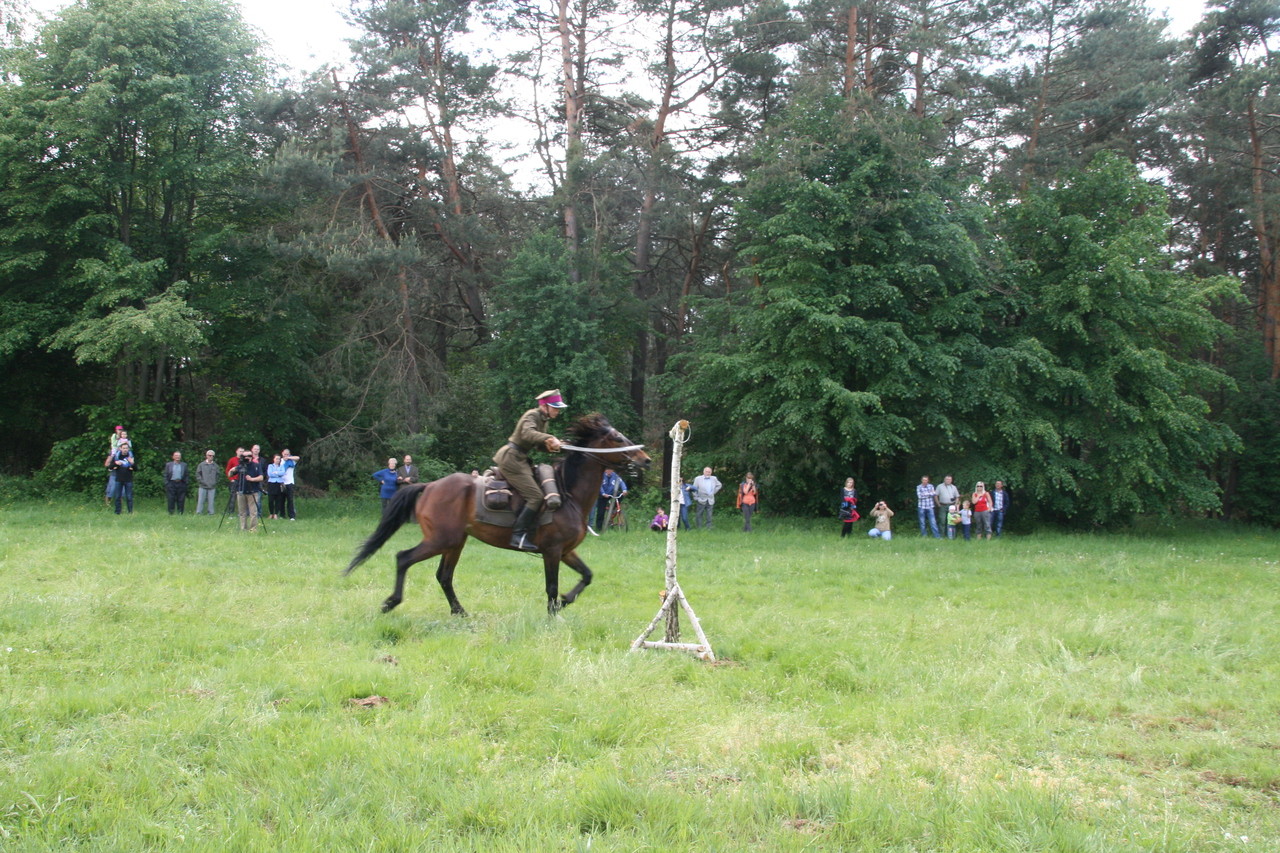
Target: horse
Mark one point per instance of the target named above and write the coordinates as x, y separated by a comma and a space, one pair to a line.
445, 509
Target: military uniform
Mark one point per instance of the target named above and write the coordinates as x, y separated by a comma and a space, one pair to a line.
513, 461
513, 457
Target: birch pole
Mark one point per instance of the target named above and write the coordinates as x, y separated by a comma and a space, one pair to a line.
673, 599
679, 435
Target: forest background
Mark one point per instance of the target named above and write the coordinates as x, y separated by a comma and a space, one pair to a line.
1027, 241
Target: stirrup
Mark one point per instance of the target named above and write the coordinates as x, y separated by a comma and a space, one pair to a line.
523, 542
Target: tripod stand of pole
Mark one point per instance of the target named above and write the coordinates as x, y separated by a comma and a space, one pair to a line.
673, 597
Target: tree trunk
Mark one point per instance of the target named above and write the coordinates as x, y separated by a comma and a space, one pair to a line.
409, 340
851, 53
573, 125
1042, 102
1269, 284
157, 393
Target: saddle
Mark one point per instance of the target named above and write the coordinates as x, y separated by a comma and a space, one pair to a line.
497, 503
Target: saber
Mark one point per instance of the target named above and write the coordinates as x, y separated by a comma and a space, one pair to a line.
602, 449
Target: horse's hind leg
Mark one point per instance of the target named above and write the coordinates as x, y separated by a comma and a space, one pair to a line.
444, 574
405, 559
573, 561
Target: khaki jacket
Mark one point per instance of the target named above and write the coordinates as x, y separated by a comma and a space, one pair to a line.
530, 432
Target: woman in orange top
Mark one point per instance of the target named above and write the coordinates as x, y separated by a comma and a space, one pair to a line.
982, 507
748, 494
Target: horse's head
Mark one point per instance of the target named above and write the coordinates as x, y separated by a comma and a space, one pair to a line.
595, 431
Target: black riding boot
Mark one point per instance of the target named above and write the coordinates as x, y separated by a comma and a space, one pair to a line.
521, 537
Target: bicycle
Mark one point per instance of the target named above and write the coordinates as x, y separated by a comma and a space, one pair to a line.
616, 519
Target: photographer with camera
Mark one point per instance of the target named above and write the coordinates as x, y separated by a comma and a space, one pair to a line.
248, 479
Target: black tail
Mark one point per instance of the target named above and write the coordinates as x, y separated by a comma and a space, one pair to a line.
397, 513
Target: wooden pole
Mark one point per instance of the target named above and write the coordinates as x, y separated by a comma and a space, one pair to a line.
679, 435
673, 598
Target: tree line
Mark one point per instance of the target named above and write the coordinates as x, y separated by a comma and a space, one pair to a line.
1028, 241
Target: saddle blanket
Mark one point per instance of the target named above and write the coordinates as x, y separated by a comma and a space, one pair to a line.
500, 517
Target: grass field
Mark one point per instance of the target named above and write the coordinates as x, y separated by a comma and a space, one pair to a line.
164, 686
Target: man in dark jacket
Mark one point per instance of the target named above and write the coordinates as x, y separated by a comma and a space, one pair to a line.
175, 484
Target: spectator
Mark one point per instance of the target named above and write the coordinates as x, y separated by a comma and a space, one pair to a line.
947, 495
286, 489
123, 463
999, 507
232, 464
982, 510
881, 513
406, 474
748, 497
117, 436
926, 502
966, 519
953, 520
206, 482
387, 478
275, 487
249, 495
848, 511
659, 521
612, 486
705, 487
175, 484
686, 500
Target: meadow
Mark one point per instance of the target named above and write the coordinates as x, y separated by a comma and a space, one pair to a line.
165, 685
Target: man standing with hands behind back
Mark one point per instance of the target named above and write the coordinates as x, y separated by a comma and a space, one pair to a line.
705, 487
175, 484
406, 474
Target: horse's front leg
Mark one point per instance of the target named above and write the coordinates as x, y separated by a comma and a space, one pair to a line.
573, 561
551, 567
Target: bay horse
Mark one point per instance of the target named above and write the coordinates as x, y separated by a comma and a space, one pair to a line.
446, 511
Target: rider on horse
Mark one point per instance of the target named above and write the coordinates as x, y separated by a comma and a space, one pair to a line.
513, 461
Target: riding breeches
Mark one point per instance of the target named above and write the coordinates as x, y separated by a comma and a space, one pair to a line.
520, 476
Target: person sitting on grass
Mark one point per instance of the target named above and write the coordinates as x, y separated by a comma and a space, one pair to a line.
881, 513
659, 521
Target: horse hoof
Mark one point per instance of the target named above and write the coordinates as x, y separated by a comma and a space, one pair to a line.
389, 605
460, 613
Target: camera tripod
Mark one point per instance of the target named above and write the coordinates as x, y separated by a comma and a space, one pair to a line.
238, 490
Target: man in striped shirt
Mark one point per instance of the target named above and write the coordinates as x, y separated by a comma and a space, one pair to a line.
999, 506
926, 500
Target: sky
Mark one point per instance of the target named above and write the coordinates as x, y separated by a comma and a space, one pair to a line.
305, 34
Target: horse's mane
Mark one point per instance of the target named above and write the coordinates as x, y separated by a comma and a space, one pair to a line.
580, 432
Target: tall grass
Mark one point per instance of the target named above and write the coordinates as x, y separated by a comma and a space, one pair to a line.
167, 686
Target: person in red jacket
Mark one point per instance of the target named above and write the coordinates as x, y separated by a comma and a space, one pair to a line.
748, 495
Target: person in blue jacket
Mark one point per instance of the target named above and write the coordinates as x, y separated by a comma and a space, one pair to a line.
387, 477
612, 486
